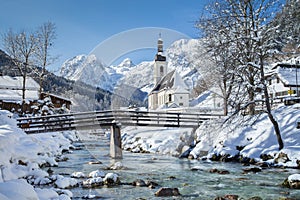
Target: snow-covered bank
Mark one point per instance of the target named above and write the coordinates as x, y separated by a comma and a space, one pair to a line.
253, 137
248, 137
22, 156
171, 141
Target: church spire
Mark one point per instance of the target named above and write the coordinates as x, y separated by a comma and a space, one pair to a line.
160, 49
160, 45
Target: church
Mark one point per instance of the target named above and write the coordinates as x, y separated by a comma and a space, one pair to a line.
169, 90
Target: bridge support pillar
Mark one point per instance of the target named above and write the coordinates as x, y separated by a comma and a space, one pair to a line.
115, 142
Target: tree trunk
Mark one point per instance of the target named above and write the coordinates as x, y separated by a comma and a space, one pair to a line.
24, 87
268, 106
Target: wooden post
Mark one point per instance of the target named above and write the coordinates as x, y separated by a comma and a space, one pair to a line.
115, 142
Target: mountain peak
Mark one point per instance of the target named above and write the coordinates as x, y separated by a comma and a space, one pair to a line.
126, 63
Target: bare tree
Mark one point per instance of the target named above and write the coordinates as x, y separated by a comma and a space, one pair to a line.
21, 47
45, 36
241, 30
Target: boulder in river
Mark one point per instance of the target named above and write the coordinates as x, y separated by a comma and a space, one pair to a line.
228, 197
217, 171
97, 173
252, 169
111, 179
92, 182
139, 182
167, 192
293, 181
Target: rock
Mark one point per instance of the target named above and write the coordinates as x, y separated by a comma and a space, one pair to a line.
239, 148
185, 152
223, 172
117, 166
92, 182
151, 184
266, 157
167, 192
255, 198
228, 197
139, 183
252, 169
214, 170
21, 162
281, 158
77, 175
94, 162
111, 179
263, 164
65, 183
298, 164
97, 173
215, 157
50, 171
293, 182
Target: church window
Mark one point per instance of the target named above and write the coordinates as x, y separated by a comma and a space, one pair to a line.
170, 97
161, 70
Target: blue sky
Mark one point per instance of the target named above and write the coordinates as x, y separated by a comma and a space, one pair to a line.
81, 25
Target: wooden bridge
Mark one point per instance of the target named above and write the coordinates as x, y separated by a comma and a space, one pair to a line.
112, 119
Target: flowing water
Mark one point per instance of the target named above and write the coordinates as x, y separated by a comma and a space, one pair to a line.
169, 171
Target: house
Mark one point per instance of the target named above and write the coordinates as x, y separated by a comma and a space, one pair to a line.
11, 92
169, 90
58, 101
284, 82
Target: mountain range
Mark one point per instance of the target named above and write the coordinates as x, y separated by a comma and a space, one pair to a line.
183, 55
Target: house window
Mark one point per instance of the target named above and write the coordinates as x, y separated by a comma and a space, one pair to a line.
170, 97
278, 80
181, 104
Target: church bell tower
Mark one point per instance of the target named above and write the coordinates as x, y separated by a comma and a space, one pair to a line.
160, 63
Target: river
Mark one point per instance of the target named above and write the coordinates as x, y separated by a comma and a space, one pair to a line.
169, 171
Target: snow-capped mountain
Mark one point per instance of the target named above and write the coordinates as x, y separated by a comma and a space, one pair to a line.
88, 69
183, 55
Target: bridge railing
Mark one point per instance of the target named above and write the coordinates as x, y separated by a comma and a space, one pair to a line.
104, 119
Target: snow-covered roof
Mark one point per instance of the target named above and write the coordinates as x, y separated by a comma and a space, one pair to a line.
11, 88
56, 96
289, 74
15, 83
171, 81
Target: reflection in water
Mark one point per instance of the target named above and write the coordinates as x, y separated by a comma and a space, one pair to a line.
169, 171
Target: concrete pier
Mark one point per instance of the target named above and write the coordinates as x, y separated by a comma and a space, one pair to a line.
115, 142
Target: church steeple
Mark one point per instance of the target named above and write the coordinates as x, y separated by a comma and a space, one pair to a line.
160, 45
160, 50
160, 64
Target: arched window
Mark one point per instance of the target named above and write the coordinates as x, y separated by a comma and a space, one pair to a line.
170, 97
161, 70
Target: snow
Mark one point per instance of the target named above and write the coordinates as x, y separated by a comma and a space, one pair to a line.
11, 88
77, 175
288, 75
17, 189
96, 173
153, 140
214, 137
21, 156
65, 182
294, 177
